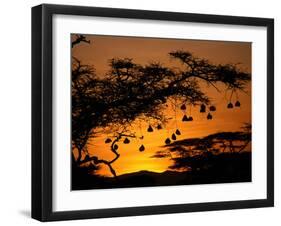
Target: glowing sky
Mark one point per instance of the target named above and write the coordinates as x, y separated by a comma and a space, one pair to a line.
144, 51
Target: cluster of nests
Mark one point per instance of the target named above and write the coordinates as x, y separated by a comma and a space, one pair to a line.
126, 141
203, 109
185, 118
174, 137
237, 104
142, 147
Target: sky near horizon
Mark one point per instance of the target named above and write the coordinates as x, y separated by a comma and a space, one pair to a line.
144, 51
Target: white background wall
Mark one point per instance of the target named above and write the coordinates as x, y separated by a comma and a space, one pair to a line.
15, 119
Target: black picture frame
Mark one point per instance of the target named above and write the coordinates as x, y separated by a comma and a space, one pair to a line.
42, 107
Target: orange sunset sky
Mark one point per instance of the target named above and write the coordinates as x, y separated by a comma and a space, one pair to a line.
144, 51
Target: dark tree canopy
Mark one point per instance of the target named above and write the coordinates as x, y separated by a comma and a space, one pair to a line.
131, 91
193, 152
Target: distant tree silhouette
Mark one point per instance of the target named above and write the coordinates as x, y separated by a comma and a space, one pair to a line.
131, 91
196, 153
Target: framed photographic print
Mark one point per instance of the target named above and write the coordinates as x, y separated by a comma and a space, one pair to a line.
147, 112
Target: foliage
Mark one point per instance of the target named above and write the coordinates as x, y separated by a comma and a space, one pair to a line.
197, 153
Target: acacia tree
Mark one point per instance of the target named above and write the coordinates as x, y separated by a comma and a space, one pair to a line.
131, 91
196, 153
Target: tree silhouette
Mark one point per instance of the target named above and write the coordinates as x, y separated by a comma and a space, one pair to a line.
131, 91
79, 38
196, 153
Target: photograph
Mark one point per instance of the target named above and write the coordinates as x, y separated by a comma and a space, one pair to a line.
148, 111
140, 112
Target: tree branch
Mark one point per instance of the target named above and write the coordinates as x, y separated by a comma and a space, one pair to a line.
108, 163
79, 38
